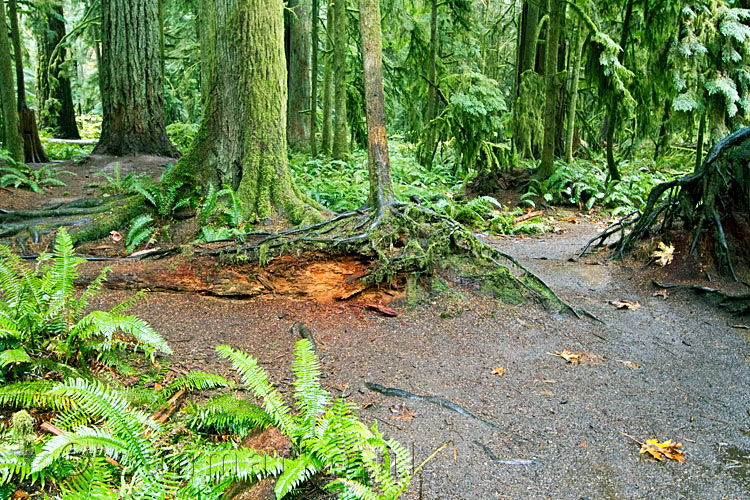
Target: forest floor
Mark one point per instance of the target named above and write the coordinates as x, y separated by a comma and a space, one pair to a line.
544, 428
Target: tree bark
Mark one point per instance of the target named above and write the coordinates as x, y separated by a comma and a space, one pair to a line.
53, 89
298, 131
552, 84
327, 132
131, 80
314, 78
13, 141
427, 151
573, 102
340, 135
242, 141
32, 145
378, 164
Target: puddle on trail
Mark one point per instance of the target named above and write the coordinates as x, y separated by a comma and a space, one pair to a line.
736, 461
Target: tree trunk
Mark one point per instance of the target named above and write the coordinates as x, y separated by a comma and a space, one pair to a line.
552, 85
701, 140
298, 132
340, 135
13, 141
241, 141
327, 132
131, 80
314, 79
378, 164
32, 145
573, 103
53, 89
525, 58
427, 151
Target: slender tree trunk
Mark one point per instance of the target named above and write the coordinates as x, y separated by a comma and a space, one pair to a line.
131, 80
526, 55
242, 140
663, 140
378, 164
340, 135
13, 141
53, 89
314, 79
552, 84
427, 151
298, 132
575, 78
32, 145
327, 132
701, 134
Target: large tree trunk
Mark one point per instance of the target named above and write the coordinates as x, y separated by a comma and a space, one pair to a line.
12, 137
53, 90
32, 145
573, 98
327, 132
299, 73
552, 84
340, 135
378, 164
314, 78
427, 151
131, 80
242, 137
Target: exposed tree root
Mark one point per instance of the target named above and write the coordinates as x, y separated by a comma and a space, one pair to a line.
738, 304
715, 196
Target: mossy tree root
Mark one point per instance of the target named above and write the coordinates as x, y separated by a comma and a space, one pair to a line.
717, 192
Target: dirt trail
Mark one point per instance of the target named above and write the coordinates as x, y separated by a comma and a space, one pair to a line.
562, 421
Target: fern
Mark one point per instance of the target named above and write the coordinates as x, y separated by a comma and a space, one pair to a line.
140, 231
196, 381
227, 413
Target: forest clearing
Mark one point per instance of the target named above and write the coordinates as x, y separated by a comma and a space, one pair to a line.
374, 249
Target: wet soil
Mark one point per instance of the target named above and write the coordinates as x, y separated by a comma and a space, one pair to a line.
556, 427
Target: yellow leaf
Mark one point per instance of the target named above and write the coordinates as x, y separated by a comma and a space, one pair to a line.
625, 304
664, 254
499, 371
630, 364
567, 355
660, 451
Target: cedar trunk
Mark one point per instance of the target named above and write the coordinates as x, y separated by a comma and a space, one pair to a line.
131, 80
242, 141
340, 135
314, 78
297, 128
53, 89
378, 164
552, 84
327, 132
12, 140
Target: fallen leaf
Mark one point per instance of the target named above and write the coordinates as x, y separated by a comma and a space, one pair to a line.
401, 412
115, 236
384, 310
368, 404
568, 356
630, 364
582, 444
664, 254
559, 230
625, 304
661, 293
659, 451
549, 381
499, 371
158, 387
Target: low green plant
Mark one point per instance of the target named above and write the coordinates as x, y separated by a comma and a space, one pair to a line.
20, 175
117, 184
140, 231
182, 134
220, 214
66, 150
44, 327
168, 195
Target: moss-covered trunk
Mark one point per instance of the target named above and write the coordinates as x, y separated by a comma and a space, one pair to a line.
131, 80
573, 94
53, 90
242, 141
340, 135
379, 166
12, 138
314, 78
327, 132
298, 132
427, 151
552, 87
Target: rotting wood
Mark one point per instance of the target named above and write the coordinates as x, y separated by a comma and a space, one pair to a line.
173, 404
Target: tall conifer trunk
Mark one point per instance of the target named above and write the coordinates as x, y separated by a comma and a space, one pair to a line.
340, 135
131, 80
12, 140
327, 132
242, 140
427, 151
298, 131
53, 89
314, 78
552, 84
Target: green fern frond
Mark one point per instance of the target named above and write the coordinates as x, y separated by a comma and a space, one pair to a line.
14, 356
234, 465
13, 467
94, 482
311, 398
107, 324
31, 395
84, 439
227, 413
196, 381
295, 473
257, 380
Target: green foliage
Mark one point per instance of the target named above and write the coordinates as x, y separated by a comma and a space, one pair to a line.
140, 231
44, 327
20, 175
117, 184
182, 134
57, 150
220, 214
168, 195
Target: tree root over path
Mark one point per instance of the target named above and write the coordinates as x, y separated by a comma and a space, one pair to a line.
712, 201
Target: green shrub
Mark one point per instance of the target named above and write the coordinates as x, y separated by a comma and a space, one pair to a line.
20, 175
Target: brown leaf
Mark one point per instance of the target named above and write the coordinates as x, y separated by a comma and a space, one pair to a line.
660, 451
664, 254
384, 310
401, 412
630, 364
661, 293
499, 371
625, 304
568, 356
115, 236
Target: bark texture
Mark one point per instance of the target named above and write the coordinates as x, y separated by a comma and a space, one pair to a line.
427, 151
53, 89
573, 94
340, 135
298, 132
242, 141
378, 164
12, 140
314, 78
131, 80
327, 132
552, 84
